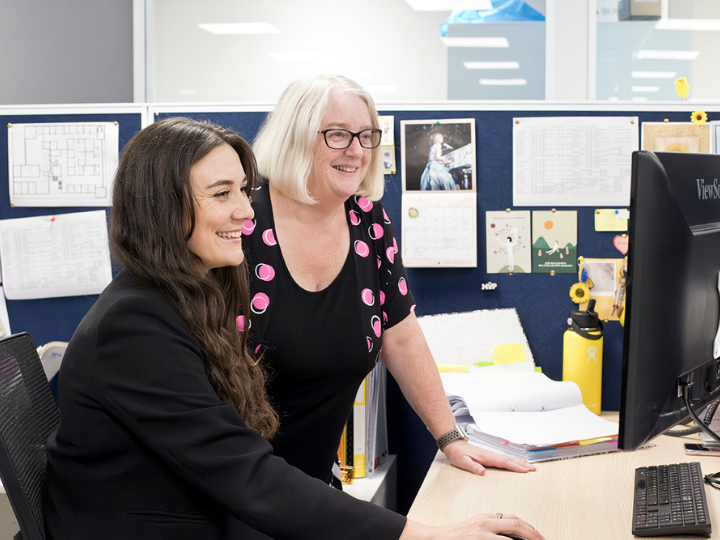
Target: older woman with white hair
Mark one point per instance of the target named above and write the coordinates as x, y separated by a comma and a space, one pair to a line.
329, 293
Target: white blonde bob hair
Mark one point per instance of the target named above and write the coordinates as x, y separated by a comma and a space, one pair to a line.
285, 145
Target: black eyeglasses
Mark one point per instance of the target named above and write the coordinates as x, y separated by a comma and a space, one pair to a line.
339, 139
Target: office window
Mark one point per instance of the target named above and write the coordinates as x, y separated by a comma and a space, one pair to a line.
644, 46
400, 50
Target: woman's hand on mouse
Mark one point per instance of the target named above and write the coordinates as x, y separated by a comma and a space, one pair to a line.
464, 455
480, 527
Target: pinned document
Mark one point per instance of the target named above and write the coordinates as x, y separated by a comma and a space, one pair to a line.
4, 319
62, 164
53, 256
611, 219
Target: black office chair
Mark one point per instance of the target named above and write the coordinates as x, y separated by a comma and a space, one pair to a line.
27, 417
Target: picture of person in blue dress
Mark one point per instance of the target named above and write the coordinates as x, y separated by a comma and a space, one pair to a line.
436, 175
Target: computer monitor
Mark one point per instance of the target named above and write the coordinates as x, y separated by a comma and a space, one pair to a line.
672, 305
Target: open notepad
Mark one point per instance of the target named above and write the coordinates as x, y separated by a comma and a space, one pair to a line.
527, 415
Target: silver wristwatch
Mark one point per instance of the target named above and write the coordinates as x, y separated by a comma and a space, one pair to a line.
453, 435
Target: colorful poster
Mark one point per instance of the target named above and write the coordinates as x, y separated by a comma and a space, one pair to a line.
554, 247
507, 245
606, 276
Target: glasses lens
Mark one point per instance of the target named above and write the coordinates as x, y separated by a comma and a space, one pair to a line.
338, 138
370, 138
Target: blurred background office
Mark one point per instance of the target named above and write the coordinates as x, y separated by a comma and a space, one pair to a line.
120, 51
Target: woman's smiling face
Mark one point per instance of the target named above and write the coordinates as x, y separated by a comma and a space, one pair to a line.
221, 208
338, 173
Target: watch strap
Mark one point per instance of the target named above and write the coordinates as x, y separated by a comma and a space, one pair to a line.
453, 435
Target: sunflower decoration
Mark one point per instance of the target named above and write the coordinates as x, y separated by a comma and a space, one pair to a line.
579, 293
675, 147
698, 117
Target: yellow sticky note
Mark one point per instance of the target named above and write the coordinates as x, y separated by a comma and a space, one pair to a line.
611, 219
509, 354
448, 368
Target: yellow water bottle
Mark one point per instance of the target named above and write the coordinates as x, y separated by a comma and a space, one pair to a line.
582, 355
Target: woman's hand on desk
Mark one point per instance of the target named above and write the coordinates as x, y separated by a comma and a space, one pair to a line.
480, 527
464, 455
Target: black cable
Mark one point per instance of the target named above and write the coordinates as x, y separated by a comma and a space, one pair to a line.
686, 398
713, 480
709, 413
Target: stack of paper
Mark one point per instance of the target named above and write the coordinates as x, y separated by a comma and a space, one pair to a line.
506, 405
527, 415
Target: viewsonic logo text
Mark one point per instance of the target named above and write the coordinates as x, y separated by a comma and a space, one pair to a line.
708, 191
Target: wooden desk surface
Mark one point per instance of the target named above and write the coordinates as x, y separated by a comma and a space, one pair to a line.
587, 498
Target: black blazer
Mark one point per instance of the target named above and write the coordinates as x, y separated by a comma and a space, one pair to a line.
146, 449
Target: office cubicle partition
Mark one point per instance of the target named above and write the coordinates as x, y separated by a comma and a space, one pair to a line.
542, 301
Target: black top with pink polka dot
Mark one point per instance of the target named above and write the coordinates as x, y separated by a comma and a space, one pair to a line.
319, 346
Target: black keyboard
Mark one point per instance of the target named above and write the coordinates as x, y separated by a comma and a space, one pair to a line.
670, 500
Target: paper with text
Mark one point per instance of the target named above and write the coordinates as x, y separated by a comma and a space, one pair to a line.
51, 256
4, 318
573, 160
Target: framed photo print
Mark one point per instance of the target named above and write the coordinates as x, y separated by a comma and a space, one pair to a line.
438, 155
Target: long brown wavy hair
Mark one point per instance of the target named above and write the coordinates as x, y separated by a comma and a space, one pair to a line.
152, 218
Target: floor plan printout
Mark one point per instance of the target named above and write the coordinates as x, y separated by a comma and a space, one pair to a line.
62, 164
52, 256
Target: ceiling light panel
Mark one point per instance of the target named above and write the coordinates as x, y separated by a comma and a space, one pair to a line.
449, 5
503, 82
302, 57
711, 25
667, 55
487, 42
654, 74
239, 28
491, 65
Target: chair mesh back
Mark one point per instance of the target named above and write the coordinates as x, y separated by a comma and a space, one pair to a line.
27, 417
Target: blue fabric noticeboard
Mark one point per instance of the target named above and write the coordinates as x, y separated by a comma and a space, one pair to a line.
51, 319
541, 300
